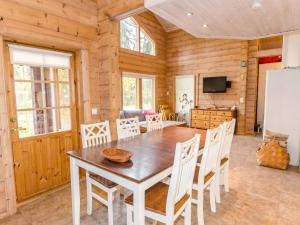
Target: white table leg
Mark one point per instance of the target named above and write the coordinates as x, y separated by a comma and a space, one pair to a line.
139, 206
75, 189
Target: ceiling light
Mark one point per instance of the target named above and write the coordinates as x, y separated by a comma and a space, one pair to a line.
257, 4
204, 25
189, 14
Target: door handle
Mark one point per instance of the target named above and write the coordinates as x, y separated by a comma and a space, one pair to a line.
18, 129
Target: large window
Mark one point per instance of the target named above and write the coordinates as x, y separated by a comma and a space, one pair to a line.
42, 91
135, 38
138, 92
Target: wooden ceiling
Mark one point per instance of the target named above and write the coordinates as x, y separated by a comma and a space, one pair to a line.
236, 19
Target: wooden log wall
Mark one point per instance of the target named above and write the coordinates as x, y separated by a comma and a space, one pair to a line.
69, 25
136, 62
187, 55
252, 82
7, 185
109, 81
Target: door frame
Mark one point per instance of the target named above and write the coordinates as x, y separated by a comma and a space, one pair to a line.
76, 92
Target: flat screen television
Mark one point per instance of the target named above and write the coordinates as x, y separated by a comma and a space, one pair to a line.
214, 84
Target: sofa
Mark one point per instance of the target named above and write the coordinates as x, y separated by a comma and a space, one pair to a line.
130, 113
126, 114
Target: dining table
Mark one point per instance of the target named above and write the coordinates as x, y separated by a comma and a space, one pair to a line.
152, 160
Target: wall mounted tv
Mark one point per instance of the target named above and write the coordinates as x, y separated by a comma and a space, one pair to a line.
215, 84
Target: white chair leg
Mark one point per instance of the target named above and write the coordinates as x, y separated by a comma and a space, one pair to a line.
110, 208
188, 214
226, 177
200, 207
89, 198
129, 215
212, 193
217, 187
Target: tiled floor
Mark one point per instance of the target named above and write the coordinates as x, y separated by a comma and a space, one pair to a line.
258, 196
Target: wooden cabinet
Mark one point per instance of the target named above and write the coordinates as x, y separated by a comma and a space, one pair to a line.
207, 118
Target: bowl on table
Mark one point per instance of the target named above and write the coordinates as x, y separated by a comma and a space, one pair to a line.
116, 155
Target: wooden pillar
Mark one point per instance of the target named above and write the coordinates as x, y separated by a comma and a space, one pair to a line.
82, 79
243, 88
7, 184
252, 81
110, 76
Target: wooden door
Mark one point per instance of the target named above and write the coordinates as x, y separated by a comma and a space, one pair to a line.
263, 68
43, 125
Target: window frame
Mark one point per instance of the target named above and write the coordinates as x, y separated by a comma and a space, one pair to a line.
56, 107
139, 93
138, 40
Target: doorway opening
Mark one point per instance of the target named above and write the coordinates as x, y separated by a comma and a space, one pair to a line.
265, 64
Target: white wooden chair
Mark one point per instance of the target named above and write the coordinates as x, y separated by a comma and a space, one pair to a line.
205, 174
128, 127
223, 165
154, 122
165, 203
93, 135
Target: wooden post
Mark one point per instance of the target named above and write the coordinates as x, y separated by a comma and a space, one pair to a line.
7, 184
82, 78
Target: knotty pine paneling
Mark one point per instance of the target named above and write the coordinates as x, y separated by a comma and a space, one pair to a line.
7, 186
252, 82
52, 24
81, 11
136, 62
187, 55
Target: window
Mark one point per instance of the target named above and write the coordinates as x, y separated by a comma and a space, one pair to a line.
42, 92
134, 38
138, 92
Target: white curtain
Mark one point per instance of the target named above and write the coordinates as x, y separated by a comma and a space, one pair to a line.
38, 57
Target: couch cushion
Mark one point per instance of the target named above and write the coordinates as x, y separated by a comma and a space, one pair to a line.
134, 113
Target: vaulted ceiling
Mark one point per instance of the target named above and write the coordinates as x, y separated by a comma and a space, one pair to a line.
240, 19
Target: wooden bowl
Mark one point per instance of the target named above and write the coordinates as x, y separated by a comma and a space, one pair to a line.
116, 155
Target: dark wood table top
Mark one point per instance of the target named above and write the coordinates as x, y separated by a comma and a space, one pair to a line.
152, 153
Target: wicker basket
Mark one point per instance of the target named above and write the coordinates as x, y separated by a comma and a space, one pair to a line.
273, 155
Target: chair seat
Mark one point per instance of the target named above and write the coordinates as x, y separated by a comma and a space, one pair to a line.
103, 181
223, 161
156, 199
206, 178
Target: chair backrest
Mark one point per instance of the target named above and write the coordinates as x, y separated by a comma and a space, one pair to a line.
95, 134
183, 171
128, 127
211, 152
154, 122
229, 128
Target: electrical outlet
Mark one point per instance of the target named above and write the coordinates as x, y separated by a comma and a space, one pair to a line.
241, 100
94, 111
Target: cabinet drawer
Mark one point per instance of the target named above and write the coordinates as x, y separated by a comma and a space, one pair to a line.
200, 124
215, 124
213, 113
197, 112
221, 113
228, 114
200, 117
217, 118
228, 118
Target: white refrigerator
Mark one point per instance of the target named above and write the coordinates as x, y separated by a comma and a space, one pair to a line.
282, 108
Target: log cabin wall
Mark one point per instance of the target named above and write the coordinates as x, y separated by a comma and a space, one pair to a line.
136, 62
187, 55
252, 82
69, 25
